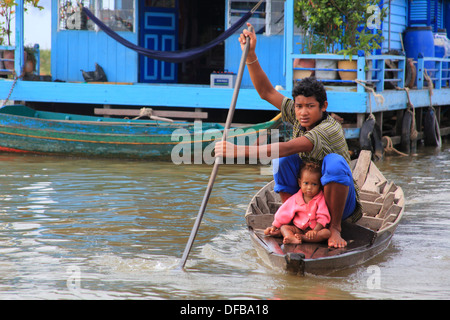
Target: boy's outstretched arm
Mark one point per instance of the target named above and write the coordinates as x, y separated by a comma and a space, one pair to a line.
272, 151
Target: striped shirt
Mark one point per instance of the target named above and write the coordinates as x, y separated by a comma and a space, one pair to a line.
327, 137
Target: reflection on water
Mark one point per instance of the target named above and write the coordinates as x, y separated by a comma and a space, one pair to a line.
98, 229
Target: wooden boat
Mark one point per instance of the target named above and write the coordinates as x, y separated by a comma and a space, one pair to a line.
23, 129
383, 205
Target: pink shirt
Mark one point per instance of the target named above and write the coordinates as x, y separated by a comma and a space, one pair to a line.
302, 214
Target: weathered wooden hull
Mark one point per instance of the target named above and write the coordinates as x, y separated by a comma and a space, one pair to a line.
25, 130
383, 206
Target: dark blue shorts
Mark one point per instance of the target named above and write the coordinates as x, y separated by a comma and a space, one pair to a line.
334, 169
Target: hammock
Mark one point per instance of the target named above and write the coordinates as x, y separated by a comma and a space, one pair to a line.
171, 56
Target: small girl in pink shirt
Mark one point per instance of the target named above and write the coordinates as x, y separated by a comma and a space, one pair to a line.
304, 216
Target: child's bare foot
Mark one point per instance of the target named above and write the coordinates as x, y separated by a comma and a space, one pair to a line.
272, 231
320, 236
292, 239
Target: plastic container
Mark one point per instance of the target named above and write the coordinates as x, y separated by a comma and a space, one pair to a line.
222, 79
420, 40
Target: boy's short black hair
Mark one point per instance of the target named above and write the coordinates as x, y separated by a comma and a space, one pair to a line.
310, 87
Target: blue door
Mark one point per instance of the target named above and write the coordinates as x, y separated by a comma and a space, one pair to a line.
158, 30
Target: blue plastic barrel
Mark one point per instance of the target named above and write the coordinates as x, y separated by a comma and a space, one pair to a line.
420, 40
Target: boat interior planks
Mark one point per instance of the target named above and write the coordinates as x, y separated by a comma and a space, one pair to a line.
383, 205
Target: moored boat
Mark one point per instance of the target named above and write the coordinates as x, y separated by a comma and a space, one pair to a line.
25, 130
383, 206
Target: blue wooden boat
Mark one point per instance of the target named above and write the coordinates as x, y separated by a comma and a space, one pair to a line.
25, 130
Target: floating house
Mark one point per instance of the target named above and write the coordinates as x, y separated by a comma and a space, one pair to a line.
132, 80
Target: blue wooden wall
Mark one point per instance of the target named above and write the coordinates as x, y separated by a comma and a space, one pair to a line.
73, 50
270, 51
398, 17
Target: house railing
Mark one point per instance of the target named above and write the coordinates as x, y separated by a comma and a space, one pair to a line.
378, 70
440, 74
5, 71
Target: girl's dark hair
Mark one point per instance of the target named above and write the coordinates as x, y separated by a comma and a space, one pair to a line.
310, 87
313, 167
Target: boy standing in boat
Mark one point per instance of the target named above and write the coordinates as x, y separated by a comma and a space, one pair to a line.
316, 137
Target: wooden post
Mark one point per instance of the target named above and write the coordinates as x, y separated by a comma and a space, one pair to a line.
401, 73
380, 75
289, 44
379, 120
438, 82
361, 72
360, 118
18, 55
420, 73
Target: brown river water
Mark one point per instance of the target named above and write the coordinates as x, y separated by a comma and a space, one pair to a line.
115, 229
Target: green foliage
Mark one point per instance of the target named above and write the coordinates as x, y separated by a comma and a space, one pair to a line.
319, 22
340, 24
45, 55
7, 14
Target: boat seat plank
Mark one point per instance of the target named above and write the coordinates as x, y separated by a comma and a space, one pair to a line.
159, 113
262, 204
387, 203
390, 187
368, 196
256, 210
374, 171
372, 223
362, 167
381, 185
259, 221
371, 184
371, 208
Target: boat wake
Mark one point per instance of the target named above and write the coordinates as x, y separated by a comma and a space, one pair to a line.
233, 249
140, 264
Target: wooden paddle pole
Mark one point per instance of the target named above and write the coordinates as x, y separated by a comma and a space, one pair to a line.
212, 178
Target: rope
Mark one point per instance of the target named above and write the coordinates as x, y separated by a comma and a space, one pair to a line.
378, 97
12, 88
430, 87
414, 133
148, 112
390, 147
380, 100
429, 81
